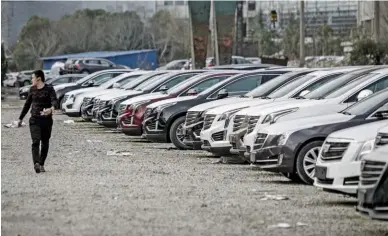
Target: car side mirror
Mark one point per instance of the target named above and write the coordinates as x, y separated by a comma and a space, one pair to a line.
192, 92
304, 92
383, 114
363, 94
163, 88
116, 85
223, 93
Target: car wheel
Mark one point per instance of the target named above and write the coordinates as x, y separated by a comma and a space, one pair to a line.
176, 133
293, 177
25, 83
306, 159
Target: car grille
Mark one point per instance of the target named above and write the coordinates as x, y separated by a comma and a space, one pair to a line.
151, 125
95, 104
208, 121
86, 101
101, 104
238, 122
147, 112
260, 139
252, 121
371, 171
219, 136
381, 139
191, 117
122, 108
335, 151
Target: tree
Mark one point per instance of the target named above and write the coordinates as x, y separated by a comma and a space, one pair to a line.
265, 36
368, 52
291, 38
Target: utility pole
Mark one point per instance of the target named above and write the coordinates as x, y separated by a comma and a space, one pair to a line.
239, 28
377, 20
215, 35
301, 40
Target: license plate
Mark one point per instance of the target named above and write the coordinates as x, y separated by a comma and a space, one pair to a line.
320, 172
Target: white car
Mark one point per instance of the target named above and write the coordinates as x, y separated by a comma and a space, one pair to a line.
381, 138
72, 105
334, 102
338, 165
215, 125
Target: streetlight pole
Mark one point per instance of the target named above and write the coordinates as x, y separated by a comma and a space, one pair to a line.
301, 40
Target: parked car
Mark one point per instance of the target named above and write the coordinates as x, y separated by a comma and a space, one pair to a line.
279, 79
373, 186
323, 104
90, 105
108, 112
254, 60
72, 105
245, 67
216, 119
88, 81
24, 78
292, 147
131, 111
165, 121
210, 62
11, 80
339, 162
174, 65
381, 138
62, 79
90, 65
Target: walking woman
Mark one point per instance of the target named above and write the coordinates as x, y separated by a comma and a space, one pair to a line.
42, 100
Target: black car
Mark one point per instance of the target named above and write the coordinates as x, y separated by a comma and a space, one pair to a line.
109, 110
295, 148
163, 122
91, 80
62, 79
373, 186
90, 65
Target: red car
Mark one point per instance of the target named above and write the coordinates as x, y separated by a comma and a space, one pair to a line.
131, 111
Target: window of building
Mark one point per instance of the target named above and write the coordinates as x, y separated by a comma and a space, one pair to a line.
168, 3
179, 3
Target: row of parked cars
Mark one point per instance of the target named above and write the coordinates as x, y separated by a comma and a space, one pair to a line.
325, 127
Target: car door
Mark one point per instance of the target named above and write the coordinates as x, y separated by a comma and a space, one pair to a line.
105, 64
174, 81
201, 86
92, 65
240, 86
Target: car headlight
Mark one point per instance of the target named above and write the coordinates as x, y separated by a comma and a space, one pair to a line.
366, 148
227, 114
283, 138
271, 118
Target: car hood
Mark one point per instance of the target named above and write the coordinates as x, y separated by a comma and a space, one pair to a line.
172, 100
144, 97
92, 94
304, 123
116, 94
83, 90
360, 133
220, 102
269, 107
62, 86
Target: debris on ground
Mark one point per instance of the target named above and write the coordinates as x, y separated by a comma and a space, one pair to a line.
301, 224
274, 197
68, 121
118, 153
94, 141
14, 124
280, 225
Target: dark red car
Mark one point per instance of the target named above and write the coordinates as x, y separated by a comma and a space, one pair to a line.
131, 111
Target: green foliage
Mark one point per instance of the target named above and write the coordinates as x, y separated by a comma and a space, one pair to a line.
368, 52
265, 36
98, 30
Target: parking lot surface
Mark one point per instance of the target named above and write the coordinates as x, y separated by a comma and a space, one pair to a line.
152, 190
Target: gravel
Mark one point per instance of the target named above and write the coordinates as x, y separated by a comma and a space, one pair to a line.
152, 190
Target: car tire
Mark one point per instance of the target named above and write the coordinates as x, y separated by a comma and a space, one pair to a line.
293, 177
176, 127
306, 159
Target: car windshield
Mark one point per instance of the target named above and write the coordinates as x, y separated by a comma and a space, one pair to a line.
150, 84
369, 102
273, 84
349, 86
179, 87
108, 83
140, 81
86, 78
291, 86
217, 85
334, 85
